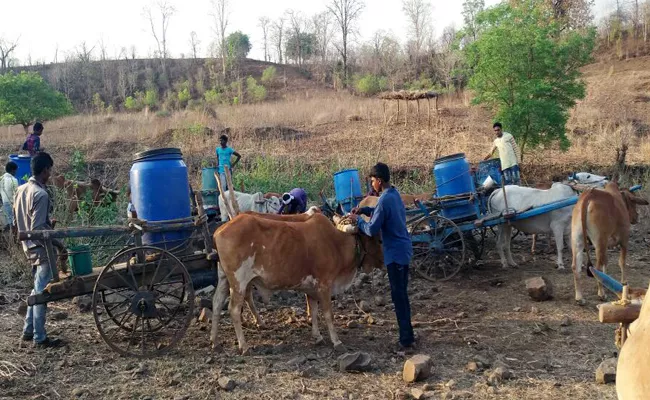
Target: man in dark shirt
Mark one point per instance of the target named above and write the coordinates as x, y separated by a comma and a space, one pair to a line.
389, 218
32, 213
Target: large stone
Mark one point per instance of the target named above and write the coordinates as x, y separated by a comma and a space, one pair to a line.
357, 361
606, 371
416, 368
84, 303
226, 383
539, 288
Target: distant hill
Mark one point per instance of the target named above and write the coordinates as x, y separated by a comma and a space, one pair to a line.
114, 80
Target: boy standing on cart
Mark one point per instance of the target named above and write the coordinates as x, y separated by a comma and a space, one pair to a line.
32, 213
508, 153
388, 218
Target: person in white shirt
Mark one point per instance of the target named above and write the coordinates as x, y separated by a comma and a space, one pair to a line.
8, 187
508, 153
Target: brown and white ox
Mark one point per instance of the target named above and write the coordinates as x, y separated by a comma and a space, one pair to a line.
312, 256
76, 192
604, 217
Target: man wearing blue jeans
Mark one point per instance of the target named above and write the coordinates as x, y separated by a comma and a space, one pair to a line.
32, 213
389, 218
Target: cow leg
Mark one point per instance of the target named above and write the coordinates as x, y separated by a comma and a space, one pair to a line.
507, 237
309, 308
500, 244
577, 249
558, 235
219, 298
325, 299
236, 304
601, 264
251, 306
532, 247
312, 303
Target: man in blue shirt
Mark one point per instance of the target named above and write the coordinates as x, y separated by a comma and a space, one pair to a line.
389, 218
224, 154
294, 202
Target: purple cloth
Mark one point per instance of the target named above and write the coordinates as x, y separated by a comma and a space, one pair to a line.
298, 205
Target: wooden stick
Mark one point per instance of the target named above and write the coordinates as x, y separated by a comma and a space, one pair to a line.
223, 196
233, 199
428, 112
398, 110
418, 101
406, 113
610, 313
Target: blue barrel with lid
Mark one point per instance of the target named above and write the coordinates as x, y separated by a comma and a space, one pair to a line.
491, 168
347, 187
209, 188
24, 167
160, 191
453, 178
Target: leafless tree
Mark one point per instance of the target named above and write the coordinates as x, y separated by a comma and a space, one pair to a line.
277, 35
84, 53
166, 11
447, 58
418, 13
346, 13
298, 28
322, 23
194, 44
6, 48
220, 13
265, 23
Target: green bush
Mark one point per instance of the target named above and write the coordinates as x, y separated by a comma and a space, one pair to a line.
98, 103
256, 92
151, 99
371, 84
131, 104
184, 97
269, 74
213, 97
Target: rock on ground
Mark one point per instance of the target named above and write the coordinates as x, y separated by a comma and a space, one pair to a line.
606, 371
539, 288
416, 368
226, 383
357, 361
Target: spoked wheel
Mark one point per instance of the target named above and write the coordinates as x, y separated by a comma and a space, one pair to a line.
438, 248
143, 301
476, 242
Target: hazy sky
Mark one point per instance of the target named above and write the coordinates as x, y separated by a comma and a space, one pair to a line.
42, 25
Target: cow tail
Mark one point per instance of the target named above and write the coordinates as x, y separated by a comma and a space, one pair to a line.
585, 238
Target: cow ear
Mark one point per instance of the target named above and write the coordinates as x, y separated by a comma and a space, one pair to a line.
639, 200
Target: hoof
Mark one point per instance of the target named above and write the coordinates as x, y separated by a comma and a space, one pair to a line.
216, 348
319, 341
581, 302
602, 297
245, 351
339, 348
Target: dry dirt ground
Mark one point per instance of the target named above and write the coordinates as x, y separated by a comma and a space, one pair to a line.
482, 314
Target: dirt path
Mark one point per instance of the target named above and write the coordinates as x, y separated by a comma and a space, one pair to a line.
483, 314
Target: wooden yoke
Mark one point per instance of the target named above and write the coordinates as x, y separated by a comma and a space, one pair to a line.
234, 204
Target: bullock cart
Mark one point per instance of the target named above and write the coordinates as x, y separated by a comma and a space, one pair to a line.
441, 244
143, 298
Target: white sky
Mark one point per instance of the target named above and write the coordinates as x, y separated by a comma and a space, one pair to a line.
42, 25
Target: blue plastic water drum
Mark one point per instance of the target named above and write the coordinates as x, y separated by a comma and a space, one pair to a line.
347, 187
24, 167
491, 168
209, 186
160, 191
453, 177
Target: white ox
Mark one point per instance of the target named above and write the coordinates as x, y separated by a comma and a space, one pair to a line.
586, 178
251, 202
523, 198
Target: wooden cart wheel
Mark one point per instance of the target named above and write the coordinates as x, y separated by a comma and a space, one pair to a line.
438, 248
143, 301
